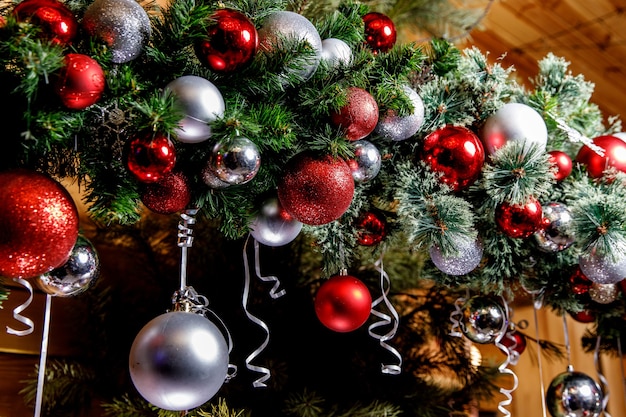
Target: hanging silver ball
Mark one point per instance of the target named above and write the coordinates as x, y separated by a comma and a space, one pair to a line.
484, 320
235, 161
366, 162
470, 253
558, 231
574, 394
273, 226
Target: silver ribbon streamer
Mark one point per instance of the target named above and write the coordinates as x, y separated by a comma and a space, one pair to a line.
385, 284
536, 307
503, 369
274, 291
18, 310
513, 354
601, 377
41, 374
185, 241
457, 315
576, 136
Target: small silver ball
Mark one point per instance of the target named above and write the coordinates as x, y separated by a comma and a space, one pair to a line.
273, 226
235, 161
336, 52
514, 122
366, 163
470, 253
574, 394
558, 233
484, 320
398, 128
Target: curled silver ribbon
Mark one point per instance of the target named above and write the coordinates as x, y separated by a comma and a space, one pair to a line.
456, 316
274, 291
18, 310
185, 241
601, 377
513, 354
504, 369
385, 284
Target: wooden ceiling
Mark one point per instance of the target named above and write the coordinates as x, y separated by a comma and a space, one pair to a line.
590, 34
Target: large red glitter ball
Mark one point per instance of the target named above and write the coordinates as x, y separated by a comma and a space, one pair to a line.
231, 42
80, 81
562, 162
150, 156
380, 32
170, 194
455, 152
56, 22
343, 303
316, 190
359, 117
614, 156
38, 224
519, 221
371, 228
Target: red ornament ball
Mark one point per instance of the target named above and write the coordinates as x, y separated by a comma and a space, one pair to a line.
514, 341
150, 156
370, 228
316, 190
38, 224
563, 164
80, 82
519, 221
231, 42
380, 32
359, 117
614, 156
56, 22
579, 282
170, 194
343, 303
584, 316
455, 152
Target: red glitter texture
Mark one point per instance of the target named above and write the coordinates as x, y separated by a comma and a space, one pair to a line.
171, 194
343, 303
359, 117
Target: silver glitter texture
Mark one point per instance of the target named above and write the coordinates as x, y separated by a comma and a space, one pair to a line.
397, 128
603, 293
468, 258
602, 269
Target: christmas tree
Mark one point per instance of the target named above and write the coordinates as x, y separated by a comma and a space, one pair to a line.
402, 195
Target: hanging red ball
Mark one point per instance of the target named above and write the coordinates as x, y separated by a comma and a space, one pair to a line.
316, 190
38, 224
614, 156
343, 303
150, 156
170, 194
584, 316
56, 22
519, 221
380, 32
359, 117
514, 341
579, 282
455, 152
231, 42
370, 229
562, 162
80, 82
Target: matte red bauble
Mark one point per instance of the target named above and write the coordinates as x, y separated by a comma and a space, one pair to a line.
520, 221
359, 117
455, 152
316, 190
579, 282
370, 228
150, 156
56, 22
80, 81
380, 32
231, 42
343, 303
614, 156
38, 224
563, 164
170, 194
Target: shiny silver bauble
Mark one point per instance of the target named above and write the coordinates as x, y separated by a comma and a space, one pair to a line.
484, 319
574, 394
558, 231
514, 122
336, 52
235, 161
366, 163
273, 226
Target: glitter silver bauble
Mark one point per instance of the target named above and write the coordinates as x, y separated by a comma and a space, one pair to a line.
470, 253
366, 162
291, 26
201, 102
574, 394
484, 319
558, 231
514, 122
397, 128
273, 226
122, 24
601, 268
603, 293
336, 52
178, 360
79, 272
235, 161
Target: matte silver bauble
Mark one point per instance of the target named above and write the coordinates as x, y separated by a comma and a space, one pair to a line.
558, 231
470, 253
574, 394
484, 320
178, 360
514, 122
79, 272
366, 162
273, 226
201, 102
336, 52
397, 128
601, 268
235, 161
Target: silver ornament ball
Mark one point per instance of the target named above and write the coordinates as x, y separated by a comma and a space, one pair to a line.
366, 163
558, 231
201, 102
603, 293
398, 128
235, 161
574, 394
210, 179
484, 320
123, 24
336, 52
178, 360
273, 226
78, 274
468, 257
514, 122
601, 268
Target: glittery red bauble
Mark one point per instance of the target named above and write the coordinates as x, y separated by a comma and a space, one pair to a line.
584, 316
316, 190
343, 303
38, 224
56, 22
168, 195
380, 32
455, 152
150, 156
370, 228
614, 156
514, 341
563, 164
231, 42
80, 81
579, 282
519, 221
359, 117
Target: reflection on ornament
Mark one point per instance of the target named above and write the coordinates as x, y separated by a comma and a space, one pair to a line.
380, 32
514, 122
170, 194
359, 117
601, 268
603, 293
54, 19
614, 156
336, 52
366, 163
562, 163
468, 257
574, 394
235, 161
484, 320
150, 156
397, 128
80, 82
79, 272
343, 303
519, 221
557, 233
273, 226
371, 228
210, 179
